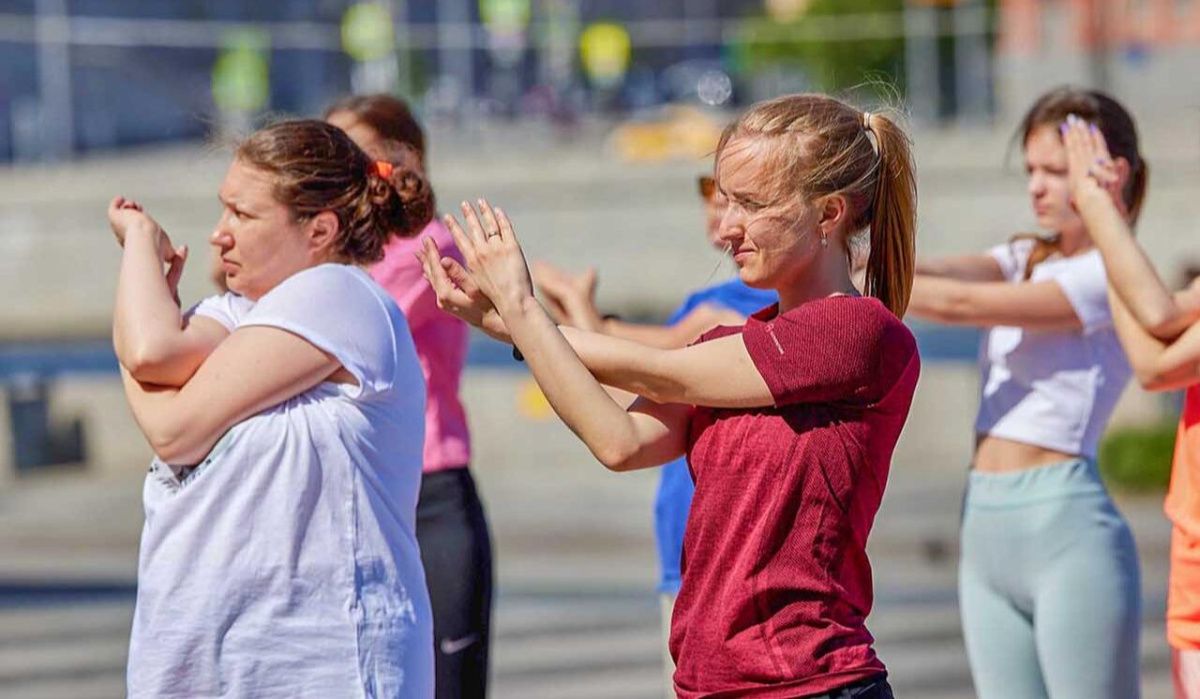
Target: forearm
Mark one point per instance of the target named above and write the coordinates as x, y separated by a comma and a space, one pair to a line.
147, 323
572, 390
663, 337
1141, 348
1130, 272
941, 300
962, 267
154, 411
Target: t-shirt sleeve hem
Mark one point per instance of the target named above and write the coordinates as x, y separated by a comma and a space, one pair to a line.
322, 343
766, 357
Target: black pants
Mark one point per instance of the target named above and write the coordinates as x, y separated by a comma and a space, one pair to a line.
873, 688
457, 554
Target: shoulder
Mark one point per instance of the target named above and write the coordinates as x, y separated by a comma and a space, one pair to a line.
334, 278
331, 291
857, 322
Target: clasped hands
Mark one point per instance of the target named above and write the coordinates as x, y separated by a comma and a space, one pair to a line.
127, 217
494, 286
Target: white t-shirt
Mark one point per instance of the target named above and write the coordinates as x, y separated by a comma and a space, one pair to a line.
1053, 389
228, 309
286, 563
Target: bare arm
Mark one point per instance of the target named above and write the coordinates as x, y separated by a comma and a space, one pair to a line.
619, 439
1095, 189
254, 369
1037, 305
1158, 364
691, 326
573, 297
967, 268
150, 337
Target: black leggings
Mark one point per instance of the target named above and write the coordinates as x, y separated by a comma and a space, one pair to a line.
457, 554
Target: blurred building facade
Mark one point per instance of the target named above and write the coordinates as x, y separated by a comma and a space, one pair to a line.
83, 75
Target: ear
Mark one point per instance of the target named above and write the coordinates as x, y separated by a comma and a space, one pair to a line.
1124, 169
322, 231
832, 212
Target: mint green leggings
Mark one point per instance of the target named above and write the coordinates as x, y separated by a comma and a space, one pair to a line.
1048, 586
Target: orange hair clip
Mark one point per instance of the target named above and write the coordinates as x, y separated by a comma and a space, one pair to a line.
383, 169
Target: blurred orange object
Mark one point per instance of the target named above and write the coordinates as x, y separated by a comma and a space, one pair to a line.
682, 132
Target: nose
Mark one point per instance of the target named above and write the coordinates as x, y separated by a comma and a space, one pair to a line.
732, 226
221, 237
1037, 184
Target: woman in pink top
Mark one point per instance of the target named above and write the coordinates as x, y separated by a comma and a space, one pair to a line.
788, 422
451, 527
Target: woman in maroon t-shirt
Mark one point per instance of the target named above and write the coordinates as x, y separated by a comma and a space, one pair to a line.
788, 422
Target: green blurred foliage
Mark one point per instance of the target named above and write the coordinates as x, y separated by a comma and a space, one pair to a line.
1138, 459
763, 43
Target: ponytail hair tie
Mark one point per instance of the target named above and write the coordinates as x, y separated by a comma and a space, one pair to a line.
383, 169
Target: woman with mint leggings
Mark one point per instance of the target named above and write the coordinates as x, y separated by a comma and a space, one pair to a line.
1048, 580
1048, 584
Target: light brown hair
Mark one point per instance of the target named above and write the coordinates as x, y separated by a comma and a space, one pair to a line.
1120, 133
316, 167
389, 116
822, 146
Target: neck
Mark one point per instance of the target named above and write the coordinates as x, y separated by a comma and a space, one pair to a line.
1070, 245
826, 279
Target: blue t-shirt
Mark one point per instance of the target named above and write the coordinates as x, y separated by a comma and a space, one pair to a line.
675, 487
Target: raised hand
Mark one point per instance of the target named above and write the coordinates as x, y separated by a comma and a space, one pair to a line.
572, 297
127, 217
493, 255
458, 294
1090, 167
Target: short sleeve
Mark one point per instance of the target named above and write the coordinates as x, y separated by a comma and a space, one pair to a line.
1012, 258
341, 311
840, 350
228, 309
1085, 284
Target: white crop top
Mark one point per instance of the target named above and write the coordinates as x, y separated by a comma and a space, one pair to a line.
1054, 389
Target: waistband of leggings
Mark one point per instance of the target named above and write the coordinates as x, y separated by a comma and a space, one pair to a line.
1078, 477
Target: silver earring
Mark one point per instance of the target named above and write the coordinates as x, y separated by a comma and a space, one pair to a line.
824, 241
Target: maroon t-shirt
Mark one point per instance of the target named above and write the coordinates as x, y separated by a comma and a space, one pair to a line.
776, 583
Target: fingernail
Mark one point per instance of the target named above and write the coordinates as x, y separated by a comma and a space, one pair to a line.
1062, 128
1093, 128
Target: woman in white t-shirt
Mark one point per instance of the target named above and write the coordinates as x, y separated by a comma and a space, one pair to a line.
278, 557
1048, 577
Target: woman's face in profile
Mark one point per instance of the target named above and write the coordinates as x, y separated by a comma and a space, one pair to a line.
257, 239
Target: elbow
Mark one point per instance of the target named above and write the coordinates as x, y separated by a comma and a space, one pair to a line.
143, 363
1152, 381
1150, 377
618, 455
167, 445
1161, 325
173, 446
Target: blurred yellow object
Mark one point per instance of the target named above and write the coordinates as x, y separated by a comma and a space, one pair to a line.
787, 10
604, 51
505, 15
241, 80
367, 33
532, 403
684, 132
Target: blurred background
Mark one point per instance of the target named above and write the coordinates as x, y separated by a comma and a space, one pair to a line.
588, 120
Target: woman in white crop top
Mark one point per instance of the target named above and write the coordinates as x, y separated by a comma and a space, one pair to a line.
279, 557
1049, 585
